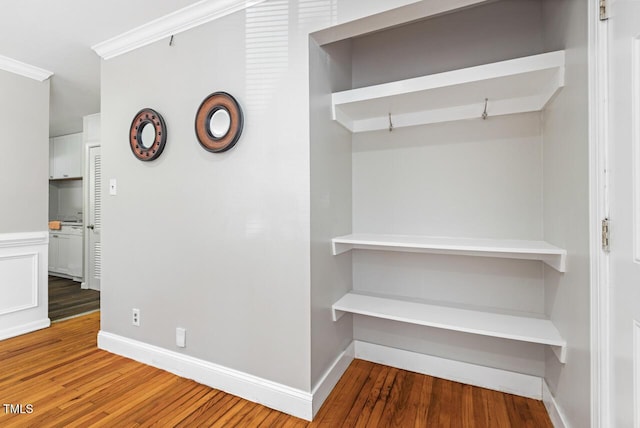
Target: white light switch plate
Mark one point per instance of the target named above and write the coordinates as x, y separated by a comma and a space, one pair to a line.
113, 190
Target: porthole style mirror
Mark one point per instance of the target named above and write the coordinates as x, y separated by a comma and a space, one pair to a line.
219, 122
147, 135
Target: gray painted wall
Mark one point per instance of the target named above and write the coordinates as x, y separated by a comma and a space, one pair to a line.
566, 208
215, 243
24, 164
479, 35
329, 71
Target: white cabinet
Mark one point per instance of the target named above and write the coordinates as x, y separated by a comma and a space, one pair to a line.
65, 157
65, 252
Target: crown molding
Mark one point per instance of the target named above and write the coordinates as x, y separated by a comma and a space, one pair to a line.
176, 22
23, 69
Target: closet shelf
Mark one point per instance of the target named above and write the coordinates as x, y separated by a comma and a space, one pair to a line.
501, 248
513, 86
515, 327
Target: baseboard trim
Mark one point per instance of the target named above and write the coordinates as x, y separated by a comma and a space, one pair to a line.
471, 374
555, 413
24, 328
326, 384
271, 394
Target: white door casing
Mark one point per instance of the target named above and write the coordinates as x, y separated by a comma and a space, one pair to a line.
623, 158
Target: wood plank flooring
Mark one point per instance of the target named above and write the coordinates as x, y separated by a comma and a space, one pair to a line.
70, 383
67, 299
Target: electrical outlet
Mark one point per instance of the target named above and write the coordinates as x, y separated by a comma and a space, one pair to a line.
181, 337
135, 317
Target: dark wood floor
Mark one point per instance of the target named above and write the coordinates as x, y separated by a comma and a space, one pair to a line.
69, 382
67, 299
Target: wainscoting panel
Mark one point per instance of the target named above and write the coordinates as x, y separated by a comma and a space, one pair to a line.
23, 283
18, 282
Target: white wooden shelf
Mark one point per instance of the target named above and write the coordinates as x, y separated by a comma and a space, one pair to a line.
515, 327
514, 86
501, 248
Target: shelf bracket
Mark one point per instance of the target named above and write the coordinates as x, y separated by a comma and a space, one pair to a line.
484, 113
390, 123
339, 248
336, 314
561, 352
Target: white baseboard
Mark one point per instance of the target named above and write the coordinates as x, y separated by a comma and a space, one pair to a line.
471, 374
326, 384
304, 404
24, 328
555, 413
271, 394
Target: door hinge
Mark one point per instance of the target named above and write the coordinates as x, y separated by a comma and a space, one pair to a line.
605, 235
603, 10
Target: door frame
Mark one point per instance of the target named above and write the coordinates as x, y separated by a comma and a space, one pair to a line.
85, 212
598, 47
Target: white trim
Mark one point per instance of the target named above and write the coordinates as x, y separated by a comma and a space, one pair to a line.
271, 394
24, 328
471, 374
636, 372
23, 69
555, 413
599, 209
33, 257
23, 239
176, 22
331, 377
635, 112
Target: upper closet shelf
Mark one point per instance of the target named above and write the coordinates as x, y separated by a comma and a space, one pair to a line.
514, 86
501, 248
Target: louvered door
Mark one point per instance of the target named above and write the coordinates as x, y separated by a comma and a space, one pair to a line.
95, 218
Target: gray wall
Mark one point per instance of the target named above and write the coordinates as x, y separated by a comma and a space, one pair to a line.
566, 208
329, 71
24, 163
479, 35
214, 243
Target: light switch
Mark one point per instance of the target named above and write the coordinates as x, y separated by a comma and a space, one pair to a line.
113, 187
181, 337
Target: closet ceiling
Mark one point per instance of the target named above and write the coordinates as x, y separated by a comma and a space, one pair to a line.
57, 35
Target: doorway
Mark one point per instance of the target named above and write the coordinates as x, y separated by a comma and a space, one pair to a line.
68, 299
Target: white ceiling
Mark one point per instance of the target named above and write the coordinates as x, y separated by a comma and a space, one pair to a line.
57, 35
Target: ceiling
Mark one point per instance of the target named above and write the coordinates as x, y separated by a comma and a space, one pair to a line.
57, 35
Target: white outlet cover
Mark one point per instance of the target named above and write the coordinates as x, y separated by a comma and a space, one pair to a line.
181, 337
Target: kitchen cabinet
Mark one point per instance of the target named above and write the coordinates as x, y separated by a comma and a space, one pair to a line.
65, 252
65, 157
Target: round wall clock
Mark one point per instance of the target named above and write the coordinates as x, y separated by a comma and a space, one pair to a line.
219, 122
147, 135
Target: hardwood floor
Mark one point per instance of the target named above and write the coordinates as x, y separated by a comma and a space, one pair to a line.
61, 379
67, 299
